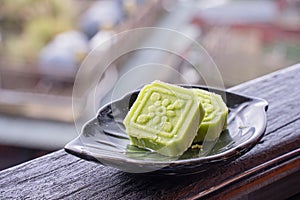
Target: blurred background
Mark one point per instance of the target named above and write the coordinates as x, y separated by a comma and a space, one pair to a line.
42, 44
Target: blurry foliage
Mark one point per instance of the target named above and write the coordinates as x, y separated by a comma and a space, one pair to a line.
27, 25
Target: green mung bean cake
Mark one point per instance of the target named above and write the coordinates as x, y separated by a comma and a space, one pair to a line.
215, 118
164, 118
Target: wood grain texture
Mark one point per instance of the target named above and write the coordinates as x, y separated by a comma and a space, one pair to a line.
60, 175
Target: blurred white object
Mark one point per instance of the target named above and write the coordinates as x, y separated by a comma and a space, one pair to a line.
101, 38
100, 14
64, 53
247, 11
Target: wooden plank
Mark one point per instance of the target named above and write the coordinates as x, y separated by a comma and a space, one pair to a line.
35, 134
59, 175
284, 171
36, 105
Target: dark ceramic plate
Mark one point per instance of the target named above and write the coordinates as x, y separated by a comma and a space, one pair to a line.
104, 140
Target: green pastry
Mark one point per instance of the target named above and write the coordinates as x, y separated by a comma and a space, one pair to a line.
164, 118
215, 118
